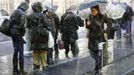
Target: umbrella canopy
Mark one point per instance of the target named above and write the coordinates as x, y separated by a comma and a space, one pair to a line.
124, 5
73, 8
90, 4
124, 1
55, 7
115, 11
51, 7
85, 13
127, 7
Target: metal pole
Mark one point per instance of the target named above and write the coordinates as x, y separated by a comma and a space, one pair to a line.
52, 2
65, 4
27, 1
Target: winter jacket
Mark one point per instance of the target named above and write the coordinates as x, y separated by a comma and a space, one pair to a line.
39, 28
69, 26
17, 20
96, 30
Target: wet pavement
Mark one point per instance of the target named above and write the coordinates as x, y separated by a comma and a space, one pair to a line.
82, 65
73, 66
123, 58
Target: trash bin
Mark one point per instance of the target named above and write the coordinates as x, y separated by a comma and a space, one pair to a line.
107, 52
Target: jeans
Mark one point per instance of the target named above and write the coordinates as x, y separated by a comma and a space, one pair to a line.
97, 55
18, 51
128, 27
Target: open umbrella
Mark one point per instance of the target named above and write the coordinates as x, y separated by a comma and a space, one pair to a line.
55, 7
87, 4
124, 1
115, 11
85, 13
73, 8
127, 7
51, 7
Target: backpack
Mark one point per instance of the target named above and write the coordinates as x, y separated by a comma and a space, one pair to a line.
38, 32
81, 22
67, 17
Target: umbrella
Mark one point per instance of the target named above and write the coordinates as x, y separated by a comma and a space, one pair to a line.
85, 13
124, 1
73, 8
115, 11
89, 4
127, 7
124, 5
55, 7
50, 7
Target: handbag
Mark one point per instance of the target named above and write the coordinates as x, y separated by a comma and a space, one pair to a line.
60, 42
5, 27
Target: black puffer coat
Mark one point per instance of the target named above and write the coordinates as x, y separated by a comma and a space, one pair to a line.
69, 26
38, 25
18, 20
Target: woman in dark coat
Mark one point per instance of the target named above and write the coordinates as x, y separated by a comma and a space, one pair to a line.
97, 34
38, 25
17, 28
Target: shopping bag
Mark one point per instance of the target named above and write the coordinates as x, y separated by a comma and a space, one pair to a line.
50, 40
60, 42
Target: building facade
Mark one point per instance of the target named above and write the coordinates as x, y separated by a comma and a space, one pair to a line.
11, 5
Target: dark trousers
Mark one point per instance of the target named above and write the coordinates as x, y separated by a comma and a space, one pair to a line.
118, 32
50, 53
50, 56
56, 49
74, 47
18, 52
128, 27
97, 55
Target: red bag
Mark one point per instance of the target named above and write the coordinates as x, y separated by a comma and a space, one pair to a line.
61, 44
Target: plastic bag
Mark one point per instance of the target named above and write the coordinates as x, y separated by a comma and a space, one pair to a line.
50, 40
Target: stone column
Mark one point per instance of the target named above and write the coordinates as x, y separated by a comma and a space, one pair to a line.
11, 6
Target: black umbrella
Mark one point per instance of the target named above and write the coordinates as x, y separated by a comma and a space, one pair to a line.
86, 5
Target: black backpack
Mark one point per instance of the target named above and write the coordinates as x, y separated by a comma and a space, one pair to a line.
81, 22
38, 32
